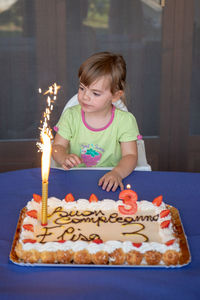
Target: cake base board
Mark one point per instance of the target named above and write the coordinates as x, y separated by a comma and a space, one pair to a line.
178, 228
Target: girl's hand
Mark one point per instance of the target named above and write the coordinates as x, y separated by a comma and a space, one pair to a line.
111, 180
70, 161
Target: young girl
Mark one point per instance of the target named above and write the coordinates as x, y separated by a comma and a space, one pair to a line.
95, 133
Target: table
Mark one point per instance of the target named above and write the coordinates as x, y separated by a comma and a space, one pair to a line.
181, 190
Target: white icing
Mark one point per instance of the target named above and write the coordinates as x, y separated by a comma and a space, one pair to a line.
26, 234
145, 205
30, 220
31, 205
79, 245
109, 246
93, 248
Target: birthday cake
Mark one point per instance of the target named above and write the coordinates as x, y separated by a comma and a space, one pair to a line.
106, 232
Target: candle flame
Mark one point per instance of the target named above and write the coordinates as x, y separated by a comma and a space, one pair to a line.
128, 186
46, 155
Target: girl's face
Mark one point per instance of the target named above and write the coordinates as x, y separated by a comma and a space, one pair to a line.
97, 97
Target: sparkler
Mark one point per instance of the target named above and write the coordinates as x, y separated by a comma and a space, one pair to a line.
45, 146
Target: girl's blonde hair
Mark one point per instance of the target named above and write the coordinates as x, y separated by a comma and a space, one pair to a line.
103, 64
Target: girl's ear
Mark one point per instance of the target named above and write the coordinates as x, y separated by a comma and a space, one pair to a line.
117, 95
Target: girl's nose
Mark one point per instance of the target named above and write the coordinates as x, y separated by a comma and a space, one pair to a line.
86, 95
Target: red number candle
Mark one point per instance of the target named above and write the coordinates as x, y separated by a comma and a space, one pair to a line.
129, 197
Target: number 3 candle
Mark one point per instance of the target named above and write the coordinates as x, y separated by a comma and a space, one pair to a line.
129, 197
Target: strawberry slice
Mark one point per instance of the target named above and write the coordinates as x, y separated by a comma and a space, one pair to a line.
170, 242
29, 241
93, 198
137, 244
37, 198
97, 241
28, 227
164, 213
32, 213
69, 197
158, 200
165, 224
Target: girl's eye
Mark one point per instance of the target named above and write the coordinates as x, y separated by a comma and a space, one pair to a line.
96, 94
81, 88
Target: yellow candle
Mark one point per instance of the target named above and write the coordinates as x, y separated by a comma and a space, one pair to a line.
46, 156
44, 202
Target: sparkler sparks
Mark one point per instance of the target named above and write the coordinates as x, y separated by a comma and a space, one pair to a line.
51, 98
53, 89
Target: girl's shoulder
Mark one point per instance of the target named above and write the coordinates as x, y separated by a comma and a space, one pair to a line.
73, 110
126, 125
121, 114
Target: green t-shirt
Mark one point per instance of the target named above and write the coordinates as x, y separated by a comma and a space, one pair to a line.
97, 147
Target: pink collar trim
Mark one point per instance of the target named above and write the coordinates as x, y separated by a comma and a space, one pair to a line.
98, 129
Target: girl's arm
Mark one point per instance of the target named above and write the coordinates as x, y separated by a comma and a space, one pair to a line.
60, 153
126, 165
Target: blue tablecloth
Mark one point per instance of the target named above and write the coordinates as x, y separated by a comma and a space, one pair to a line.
181, 190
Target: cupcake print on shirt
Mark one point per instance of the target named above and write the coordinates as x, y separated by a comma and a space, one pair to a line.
91, 154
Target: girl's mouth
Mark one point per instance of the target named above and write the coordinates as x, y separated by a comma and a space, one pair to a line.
86, 105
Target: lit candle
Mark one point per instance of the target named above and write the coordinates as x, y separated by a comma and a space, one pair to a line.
130, 198
46, 155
